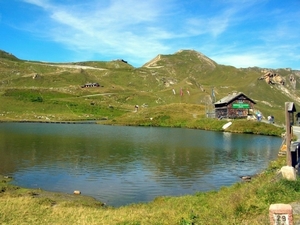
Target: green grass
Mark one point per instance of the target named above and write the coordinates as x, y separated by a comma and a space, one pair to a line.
191, 116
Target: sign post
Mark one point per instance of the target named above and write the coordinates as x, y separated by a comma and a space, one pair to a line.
288, 135
289, 121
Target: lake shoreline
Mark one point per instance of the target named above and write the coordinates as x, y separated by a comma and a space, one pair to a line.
56, 197
47, 121
238, 126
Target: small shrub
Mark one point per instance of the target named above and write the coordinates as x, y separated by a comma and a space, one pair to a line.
46, 201
190, 221
37, 99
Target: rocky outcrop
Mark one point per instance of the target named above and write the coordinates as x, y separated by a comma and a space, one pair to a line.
272, 78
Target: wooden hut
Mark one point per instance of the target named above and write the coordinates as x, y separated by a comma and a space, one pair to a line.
234, 105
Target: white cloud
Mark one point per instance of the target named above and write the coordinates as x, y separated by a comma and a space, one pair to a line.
280, 57
213, 26
121, 27
245, 60
40, 3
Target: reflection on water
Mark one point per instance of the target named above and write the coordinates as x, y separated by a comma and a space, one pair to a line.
121, 165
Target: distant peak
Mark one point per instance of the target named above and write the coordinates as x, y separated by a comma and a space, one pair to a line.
182, 54
199, 55
186, 50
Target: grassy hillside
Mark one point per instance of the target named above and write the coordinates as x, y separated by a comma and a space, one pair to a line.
52, 91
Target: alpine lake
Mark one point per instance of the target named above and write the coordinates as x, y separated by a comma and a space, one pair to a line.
120, 165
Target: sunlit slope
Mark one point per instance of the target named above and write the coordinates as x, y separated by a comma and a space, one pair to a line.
184, 77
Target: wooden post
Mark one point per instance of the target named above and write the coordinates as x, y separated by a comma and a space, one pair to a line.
288, 135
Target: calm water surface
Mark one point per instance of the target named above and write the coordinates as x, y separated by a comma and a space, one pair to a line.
121, 165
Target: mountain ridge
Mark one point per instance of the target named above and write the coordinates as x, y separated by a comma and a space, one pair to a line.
7, 55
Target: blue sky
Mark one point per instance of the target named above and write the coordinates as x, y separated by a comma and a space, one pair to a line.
241, 33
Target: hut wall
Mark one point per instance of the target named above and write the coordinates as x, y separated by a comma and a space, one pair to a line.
239, 112
221, 112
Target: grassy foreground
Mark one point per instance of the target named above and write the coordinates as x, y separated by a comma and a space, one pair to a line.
242, 203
